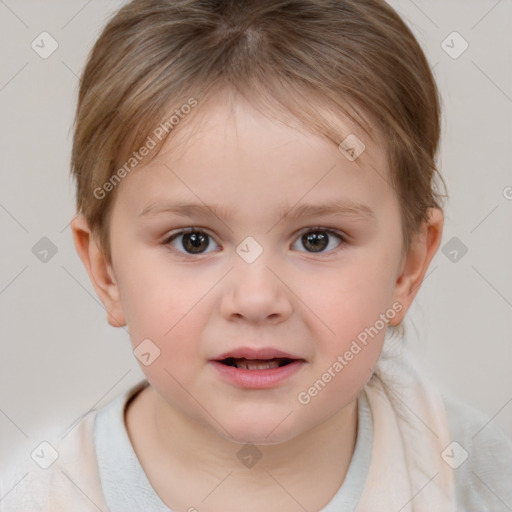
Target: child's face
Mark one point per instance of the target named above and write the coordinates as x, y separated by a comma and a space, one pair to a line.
309, 297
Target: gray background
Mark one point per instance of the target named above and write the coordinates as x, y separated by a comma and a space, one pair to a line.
60, 357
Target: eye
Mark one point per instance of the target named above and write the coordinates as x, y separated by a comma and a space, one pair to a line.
191, 241
319, 240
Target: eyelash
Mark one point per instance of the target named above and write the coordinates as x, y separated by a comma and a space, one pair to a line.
330, 232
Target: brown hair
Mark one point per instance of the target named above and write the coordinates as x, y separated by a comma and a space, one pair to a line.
356, 58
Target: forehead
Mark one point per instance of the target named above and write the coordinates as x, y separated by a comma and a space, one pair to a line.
226, 116
230, 152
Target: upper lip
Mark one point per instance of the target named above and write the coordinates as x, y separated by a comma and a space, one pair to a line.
256, 353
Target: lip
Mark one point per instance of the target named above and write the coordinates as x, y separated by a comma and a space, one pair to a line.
256, 353
257, 379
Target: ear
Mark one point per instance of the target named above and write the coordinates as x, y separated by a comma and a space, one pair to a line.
416, 262
100, 271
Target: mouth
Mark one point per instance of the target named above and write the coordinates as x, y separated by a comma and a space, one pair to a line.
256, 364
261, 368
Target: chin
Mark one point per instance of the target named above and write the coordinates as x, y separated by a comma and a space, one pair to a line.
268, 431
260, 438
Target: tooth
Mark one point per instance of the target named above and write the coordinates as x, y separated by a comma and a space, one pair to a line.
256, 364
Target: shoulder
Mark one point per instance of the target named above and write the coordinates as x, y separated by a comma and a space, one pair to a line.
481, 457
61, 475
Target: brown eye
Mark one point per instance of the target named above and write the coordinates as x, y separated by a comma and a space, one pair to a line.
318, 240
195, 242
315, 241
190, 242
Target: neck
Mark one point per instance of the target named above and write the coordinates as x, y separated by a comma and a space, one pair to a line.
309, 468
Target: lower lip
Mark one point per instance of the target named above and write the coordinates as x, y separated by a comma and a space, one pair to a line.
257, 379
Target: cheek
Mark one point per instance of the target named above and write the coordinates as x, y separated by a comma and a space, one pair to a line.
350, 299
352, 311
345, 358
164, 304
170, 309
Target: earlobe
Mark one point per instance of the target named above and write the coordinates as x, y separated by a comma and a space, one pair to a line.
416, 263
99, 270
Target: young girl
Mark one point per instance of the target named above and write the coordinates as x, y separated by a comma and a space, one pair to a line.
257, 203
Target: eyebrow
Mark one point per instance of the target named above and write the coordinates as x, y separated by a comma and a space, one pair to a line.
346, 208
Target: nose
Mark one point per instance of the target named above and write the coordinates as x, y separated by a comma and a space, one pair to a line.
253, 293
